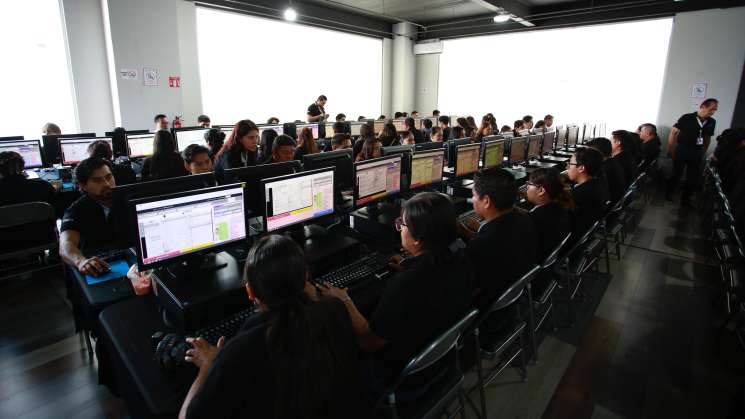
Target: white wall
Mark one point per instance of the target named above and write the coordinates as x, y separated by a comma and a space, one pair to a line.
404, 68
427, 77
386, 95
706, 46
191, 90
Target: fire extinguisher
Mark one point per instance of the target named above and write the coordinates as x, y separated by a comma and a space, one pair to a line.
177, 121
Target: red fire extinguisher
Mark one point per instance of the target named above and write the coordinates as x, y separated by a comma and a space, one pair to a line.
177, 121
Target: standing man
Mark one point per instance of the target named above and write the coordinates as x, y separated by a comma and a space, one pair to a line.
316, 113
688, 141
161, 122
203, 121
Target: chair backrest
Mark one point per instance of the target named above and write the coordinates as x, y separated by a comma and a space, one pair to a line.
554, 255
26, 213
511, 294
585, 237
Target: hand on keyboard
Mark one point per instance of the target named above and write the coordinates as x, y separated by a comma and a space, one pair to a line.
203, 354
333, 292
395, 263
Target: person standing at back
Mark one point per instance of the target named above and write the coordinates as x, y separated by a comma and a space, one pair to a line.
687, 144
165, 161
161, 122
316, 113
204, 121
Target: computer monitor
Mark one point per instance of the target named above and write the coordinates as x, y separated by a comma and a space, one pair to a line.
492, 153
376, 179
52, 152
171, 228
572, 135
188, 136
30, 150
418, 123
430, 145
517, 150
12, 138
251, 176
329, 129
298, 198
450, 149
426, 168
279, 129
466, 159
313, 128
378, 126
340, 160
354, 128
535, 145
588, 133
399, 124
76, 150
548, 141
140, 145
561, 136
397, 149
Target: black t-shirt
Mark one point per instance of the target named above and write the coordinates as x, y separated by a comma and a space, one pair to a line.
691, 130
418, 136
418, 305
16, 189
88, 217
552, 225
503, 250
590, 199
315, 110
240, 383
651, 150
233, 160
168, 166
615, 178
628, 163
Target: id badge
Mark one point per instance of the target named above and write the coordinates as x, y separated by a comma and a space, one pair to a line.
700, 141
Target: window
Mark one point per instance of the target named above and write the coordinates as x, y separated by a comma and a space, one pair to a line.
608, 73
256, 68
35, 77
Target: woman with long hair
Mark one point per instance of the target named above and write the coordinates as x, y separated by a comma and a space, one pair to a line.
388, 136
553, 202
165, 162
214, 138
366, 134
371, 149
296, 359
305, 144
241, 149
484, 130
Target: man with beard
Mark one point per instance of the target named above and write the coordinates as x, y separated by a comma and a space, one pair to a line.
88, 225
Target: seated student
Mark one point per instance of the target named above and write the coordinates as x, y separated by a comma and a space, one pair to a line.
197, 159
297, 359
436, 113
430, 294
589, 194
366, 133
214, 138
612, 171
404, 115
493, 123
340, 117
388, 136
370, 149
651, 144
165, 161
445, 126
265, 145
398, 115
241, 149
527, 122
16, 189
88, 225
548, 120
361, 118
124, 175
471, 127
518, 126
540, 126
408, 139
436, 135
552, 201
341, 141
161, 122
414, 114
51, 128
622, 152
484, 129
505, 128
283, 149
306, 144
272, 120
381, 118
505, 246
458, 133
410, 127
427, 129
204, 121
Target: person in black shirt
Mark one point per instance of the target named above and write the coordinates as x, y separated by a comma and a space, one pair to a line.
552, 201
527, 122
431, 292
612, 173
16, 189
316, 113
298, 359
241, 149
589, 194
283, 149
622, 144
457, 133
411, 128
161, 122
203, 121
651, 144
505, 246
197, 159
124, 175
688, 142
215, 138
165, 161
306, 144
88, 225
445, 126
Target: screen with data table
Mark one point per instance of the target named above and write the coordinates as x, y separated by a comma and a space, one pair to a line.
30, 150
298, 198
140, 145
376, 179
467, 159
426, 168
189, 136
493, 154
76, 150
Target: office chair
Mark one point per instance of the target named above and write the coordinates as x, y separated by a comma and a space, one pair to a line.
575, 263
32, 225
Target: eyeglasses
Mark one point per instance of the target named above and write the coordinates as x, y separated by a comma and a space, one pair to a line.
530, 184
573, 164
399, 223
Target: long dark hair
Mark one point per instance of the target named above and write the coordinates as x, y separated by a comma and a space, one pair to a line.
215, 139
306, 141
164, 153
368, 149
388, 134
305, 352
233, 145
550, 180
430, 218
266, 143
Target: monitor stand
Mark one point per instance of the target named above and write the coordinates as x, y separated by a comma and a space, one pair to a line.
378, 208
301, 234
198, 265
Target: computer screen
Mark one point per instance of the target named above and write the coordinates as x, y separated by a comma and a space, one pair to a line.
429, 145
418, 123
30, 150
76, 150
376, 179
313, 127
329, 129
517, 149
298, 198
50, 143
534, 146
588, 133
561, 136
426, 168
341, 160
399, 124
355, 128
251, 176
378, 126
467, 159
140, 145
280, 129
548, 141
171, 226
188, 136
450, 147
492, 154
572, 136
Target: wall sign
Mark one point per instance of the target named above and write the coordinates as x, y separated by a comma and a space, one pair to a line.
128, 73
150, 76
174, 81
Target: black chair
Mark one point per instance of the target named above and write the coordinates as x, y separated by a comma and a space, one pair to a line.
32, 227
540, 295
576, 262
447, 386
490, 344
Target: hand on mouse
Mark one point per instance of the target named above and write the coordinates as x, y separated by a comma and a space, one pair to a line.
93, 266
203, 354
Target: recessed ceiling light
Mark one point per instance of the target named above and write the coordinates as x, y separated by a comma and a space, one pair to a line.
290, 14
501, 18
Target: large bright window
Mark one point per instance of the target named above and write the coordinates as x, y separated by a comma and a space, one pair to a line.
609, 73
256, 68
34, 77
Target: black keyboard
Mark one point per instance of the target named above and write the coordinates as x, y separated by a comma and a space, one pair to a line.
227, 327
361, 272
